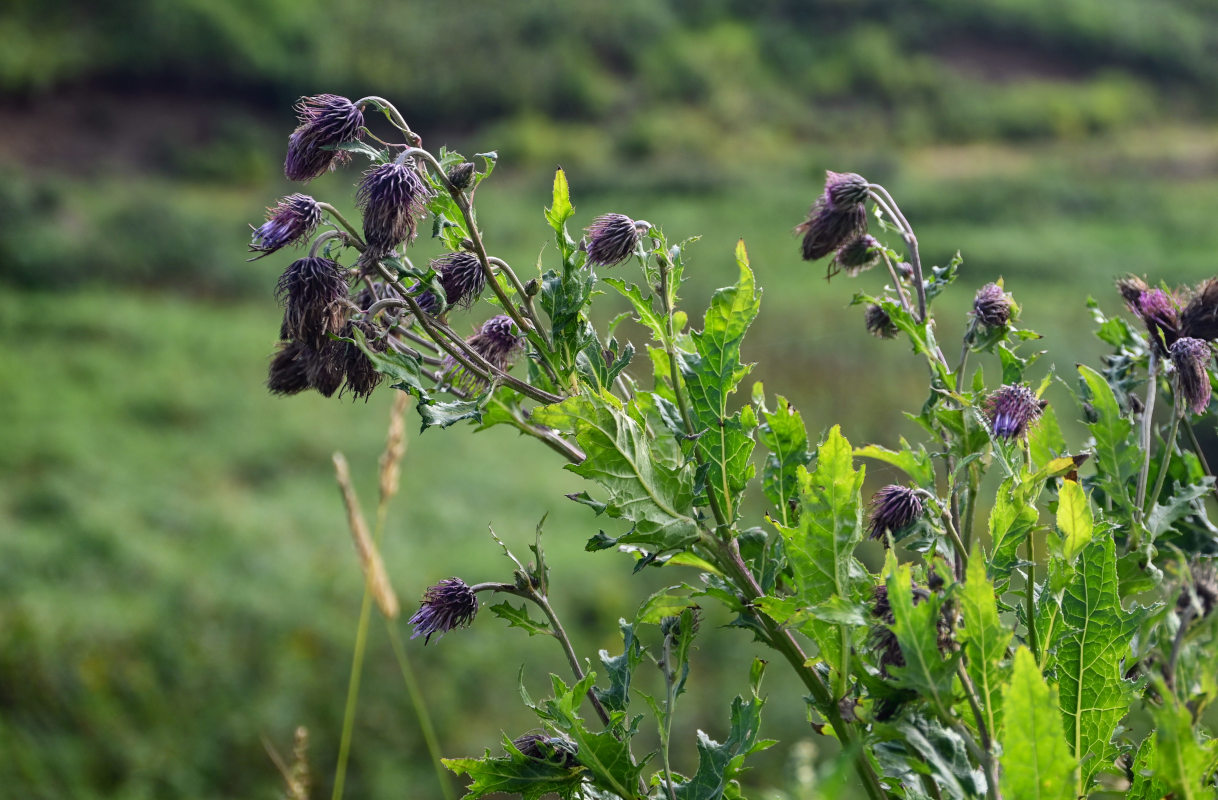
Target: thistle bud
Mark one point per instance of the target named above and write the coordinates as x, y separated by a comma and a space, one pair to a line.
611, 239
879, 323
392, 196
1158, 310
462, 175
313, 292
1201, 594
836, 217
1010, 409
992, 306
289, 373
447, 605
893, 508
553, 749
859, 254
1191, 358
1199, 319
532, 287
498, 341
326, 121
291, 221
461, 276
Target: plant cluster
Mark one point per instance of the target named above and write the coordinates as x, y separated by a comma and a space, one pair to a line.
1038, 602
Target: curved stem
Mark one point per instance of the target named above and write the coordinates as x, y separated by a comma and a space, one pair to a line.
325, 236
529, 308
394, 115
357, 240
896, 282
884, 200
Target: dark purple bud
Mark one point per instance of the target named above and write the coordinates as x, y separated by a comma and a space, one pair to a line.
837, 216
447, 605
1010, 409
326, 121
499, 341
362, 376
313, 291
392, 196
1199, 319
855, 256
289, 371
992, 306
884, 642
291, 221
879, 323
325, 365
1191, 358
1131, 288
1201, 594
462, 175
846, 188
893, 508
611, 239
461, 276
1158, 310
554, 749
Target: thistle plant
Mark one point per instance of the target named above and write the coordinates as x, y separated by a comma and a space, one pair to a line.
1042, 624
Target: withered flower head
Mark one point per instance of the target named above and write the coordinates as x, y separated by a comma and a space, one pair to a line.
1010, 409
1131, 288
1158, 310
461, 276
1191, 358
325, 366
391, 196
326, 121
291, 221
1199, 319
462, 175
836, 217
893, 508
499, 341
611, 239
447, 605
361, 375
313, 291
859, 254
884, 641
554, 749
992, 306
878, 322
289, 370
1201, 594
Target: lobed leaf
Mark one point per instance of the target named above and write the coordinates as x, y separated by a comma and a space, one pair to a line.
516, 774
782, 432
985, 640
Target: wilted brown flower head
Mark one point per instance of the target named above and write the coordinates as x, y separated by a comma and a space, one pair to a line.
1131, 288
392, 197
461, 276
313, 291
1010, 409
1199, 319
992, 306
462, 175
291, 221
361, 375
878, 322
1191, 358
289, 370
837, 216
499, 341
884, 641
447, 605
1201, 594
859, 254
326, 121
325, 365
893, 508
611, 239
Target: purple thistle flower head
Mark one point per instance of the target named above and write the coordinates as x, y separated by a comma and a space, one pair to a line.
893, 508
1010, 409
1158, 310
461, 276
291, 221
836, 217
1199, 319
391, 196
289, 370
992, 306
326, 121
879, 323
361, 374
857, 255
447, 605
1191, 358
499, 341
313, 291
611, 239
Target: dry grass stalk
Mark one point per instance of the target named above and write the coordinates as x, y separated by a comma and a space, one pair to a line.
369, 556
295, 777
395, 447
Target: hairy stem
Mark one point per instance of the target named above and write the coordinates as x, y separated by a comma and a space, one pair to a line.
883, 199
1148, 413
1168, 447
983, 732
670, 687
1169, 669
1030, 598
394, 115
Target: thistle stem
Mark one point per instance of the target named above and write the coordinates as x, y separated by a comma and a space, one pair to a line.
1148, 413
1205, 465
1169, 670
987, 745
670, 699
1030, 600
394, 115
883, 199
527, 301
896, 282
1168, 447
357, 240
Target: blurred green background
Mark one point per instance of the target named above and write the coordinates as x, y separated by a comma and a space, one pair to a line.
177, 584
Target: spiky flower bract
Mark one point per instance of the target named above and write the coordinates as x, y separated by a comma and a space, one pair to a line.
291, 221
325, 365
499, 341
893, 508
554, 749
837, 216
878, 322
611, 239
1191, 358
392, 197
1199, 319
289, 370
992, 306
326, 121
361, 374
447, 605
859, 254
462, 175
1010, 409
462, 278
313, 291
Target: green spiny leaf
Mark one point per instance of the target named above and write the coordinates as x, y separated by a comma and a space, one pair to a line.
560, 209
1035, 760
781, 432
719, 764
985, 641
927, 670
914, 463
1074, 519
620, 669
1180, 762
1146, 785
1116, 457
516, 774
1011, 520
519, 618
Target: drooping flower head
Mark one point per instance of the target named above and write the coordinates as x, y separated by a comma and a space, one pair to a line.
1199, 319
447, 605
392, 197
499, 341
361, 374
326, 121
884, 641
1191, 358
326, 366
893, 508
291, 221
992, 306
1158, 310
837, 216
859, 254
878, 322
1201, 594
1010, 410
289, 370
313, 291
461, 276
611, 239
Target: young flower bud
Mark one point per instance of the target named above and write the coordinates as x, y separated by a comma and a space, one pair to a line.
498, 341
859, 254
992, 306
836, 217
548, 748
289, 372
1191, 358
326, 121
391, 196
611, 239
879, 323
461, 276
1199, 319
462, 175
313, 291
893, 508
1010, 409
447, 605
291, 221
